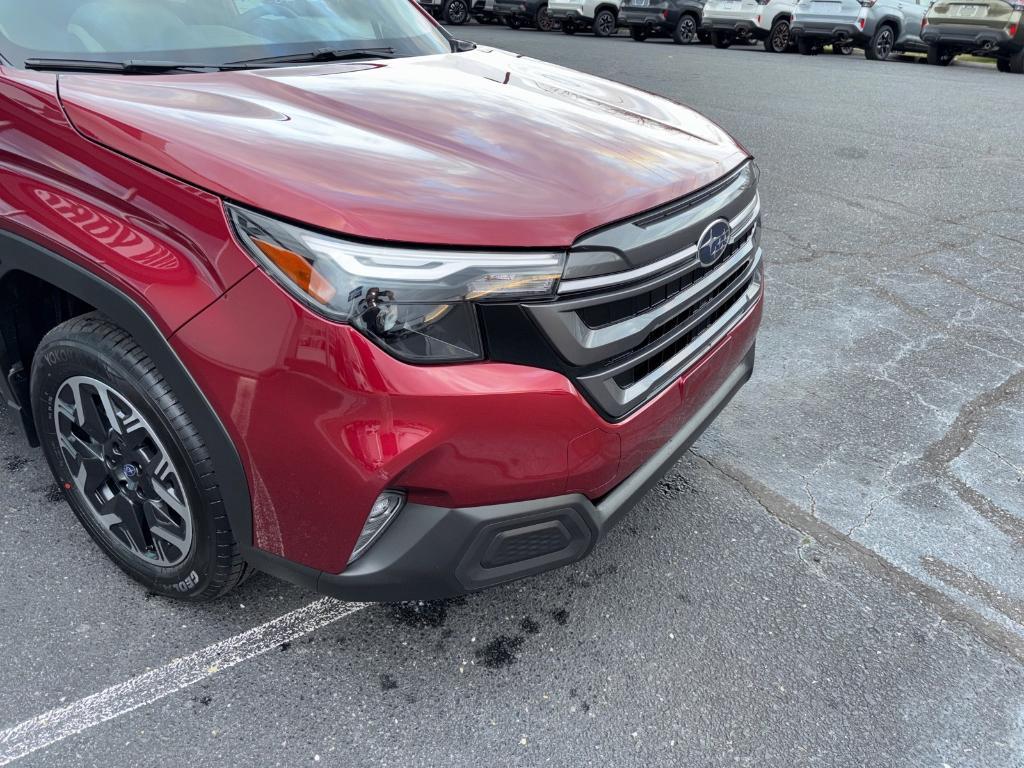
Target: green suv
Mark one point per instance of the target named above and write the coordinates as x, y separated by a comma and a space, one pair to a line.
990, 28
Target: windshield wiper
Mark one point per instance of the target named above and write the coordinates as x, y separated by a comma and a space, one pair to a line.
132, 65
320, 54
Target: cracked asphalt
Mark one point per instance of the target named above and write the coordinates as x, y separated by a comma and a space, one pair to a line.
833, 577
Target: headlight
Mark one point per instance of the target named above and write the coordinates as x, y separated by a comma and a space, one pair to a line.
417, 303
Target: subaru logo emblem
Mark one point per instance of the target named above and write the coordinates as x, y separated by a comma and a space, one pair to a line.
712, 244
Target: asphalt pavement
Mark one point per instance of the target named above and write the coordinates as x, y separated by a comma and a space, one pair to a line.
833, 577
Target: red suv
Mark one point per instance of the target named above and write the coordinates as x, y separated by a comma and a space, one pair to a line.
311, 287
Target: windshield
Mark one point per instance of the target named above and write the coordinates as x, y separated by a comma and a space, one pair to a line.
210, 31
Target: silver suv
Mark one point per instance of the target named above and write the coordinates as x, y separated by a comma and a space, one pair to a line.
599, 16
880, 27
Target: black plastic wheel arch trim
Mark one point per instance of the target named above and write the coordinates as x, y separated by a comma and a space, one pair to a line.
18, 254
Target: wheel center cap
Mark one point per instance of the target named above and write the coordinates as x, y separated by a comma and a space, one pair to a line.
131, 475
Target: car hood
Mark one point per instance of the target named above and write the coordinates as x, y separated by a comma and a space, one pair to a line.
478, 148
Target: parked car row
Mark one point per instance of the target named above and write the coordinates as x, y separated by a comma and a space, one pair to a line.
942, 29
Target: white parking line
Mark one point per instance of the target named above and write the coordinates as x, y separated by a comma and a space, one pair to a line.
57, 724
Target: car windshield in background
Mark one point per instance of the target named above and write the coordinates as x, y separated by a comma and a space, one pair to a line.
212, 32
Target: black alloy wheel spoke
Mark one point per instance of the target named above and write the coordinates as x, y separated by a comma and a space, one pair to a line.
126, 520
122, 472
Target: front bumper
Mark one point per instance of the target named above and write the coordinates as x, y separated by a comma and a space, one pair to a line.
969, 38
432, 552
468, 444
827, 31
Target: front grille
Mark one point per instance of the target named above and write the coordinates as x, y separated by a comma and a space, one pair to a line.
601, 315
651, 364
626, 335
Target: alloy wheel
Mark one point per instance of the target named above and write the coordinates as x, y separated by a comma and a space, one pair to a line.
687, 30
122, 470
604, 24
884, 43
780, 37
458, 12
544, 21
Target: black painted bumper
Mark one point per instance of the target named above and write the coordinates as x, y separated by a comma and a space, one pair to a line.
430, 553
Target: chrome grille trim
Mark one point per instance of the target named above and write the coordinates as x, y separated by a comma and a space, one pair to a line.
618, 401
625, 336
581, 345
740, 223
684, 259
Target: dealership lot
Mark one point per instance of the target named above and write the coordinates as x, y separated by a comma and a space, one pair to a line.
835, 576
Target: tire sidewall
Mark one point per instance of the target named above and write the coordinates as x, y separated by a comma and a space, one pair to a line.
772, 34
677, 35
457, 3
597, 27
54, 364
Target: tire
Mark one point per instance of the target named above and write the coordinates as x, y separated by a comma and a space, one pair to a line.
1016, 63
685, 32
842, 49
939, 56
778, 40
543, 20
456, 12
605, 23
881, 44
568, 28
514, 22
704, 37
1003, 65
721, 39
807, 47
145, 464
638, 33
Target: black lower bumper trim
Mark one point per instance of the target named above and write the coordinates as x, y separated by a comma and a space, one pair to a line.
828, 32
968, 39
738, 28
430, 553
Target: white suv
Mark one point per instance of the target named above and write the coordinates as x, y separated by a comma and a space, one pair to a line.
601, 16
730, 21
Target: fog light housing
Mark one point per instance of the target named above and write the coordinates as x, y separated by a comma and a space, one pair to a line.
384, 510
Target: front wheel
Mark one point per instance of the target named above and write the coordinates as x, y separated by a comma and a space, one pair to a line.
778, 39
881, 43
685, 32
568, 28
131, 463
605, 23
939, 57
543, 20
721, 39
842, 49
514, 22
456, 12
